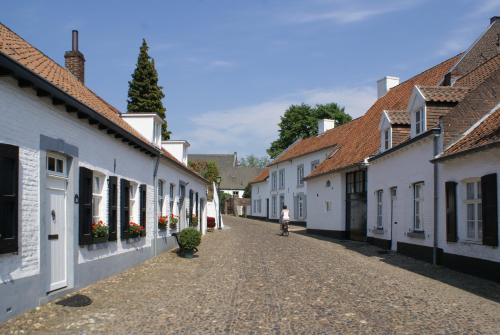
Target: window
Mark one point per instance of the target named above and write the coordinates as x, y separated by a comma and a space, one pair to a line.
132, 201
282, 179
301, 204
55, 164
9, 173
356, 182
282, 202
418, 207
300, 175
161, 197
273, 206
274, 181
328, 206
97, 185
387, 143
314, 164
473, 208
171, 198
259, 205
419, 121
379, 195
328, 183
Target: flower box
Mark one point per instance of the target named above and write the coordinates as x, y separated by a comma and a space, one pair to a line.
134, 230
162, 222
100, 239
173, 220
100, 232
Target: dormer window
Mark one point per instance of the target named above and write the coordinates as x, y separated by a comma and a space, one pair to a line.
419, 121
387, 143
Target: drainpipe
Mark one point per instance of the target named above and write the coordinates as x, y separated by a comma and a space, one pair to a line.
155, 206
436, 198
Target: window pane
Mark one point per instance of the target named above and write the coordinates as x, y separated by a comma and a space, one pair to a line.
479, 212
470, 229
7, 226
51, 164
7, 171
479, 190
59, 167
470, 212
470, 191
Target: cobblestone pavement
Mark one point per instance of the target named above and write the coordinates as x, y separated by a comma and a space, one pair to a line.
249, 280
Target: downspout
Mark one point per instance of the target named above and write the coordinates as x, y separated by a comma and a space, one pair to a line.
436, 199
155, 206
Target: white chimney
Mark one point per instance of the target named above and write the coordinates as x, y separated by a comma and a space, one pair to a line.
324, 125
147, 124
178, 149
385, 84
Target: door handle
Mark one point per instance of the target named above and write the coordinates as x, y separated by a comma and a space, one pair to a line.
53, 214
395, 222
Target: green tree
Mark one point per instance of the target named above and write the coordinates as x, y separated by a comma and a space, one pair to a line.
248, 192
254, 161
144, 93
207, 170
301, 121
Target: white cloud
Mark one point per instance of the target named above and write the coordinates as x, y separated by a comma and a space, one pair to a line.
343, 12
250, 129
220, 64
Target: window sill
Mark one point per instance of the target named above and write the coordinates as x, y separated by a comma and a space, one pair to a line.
379, 231
416, 234
471, 242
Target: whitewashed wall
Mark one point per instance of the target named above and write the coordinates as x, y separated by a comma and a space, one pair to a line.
402, 169
291, 188
473, 165
260, 191
318, 194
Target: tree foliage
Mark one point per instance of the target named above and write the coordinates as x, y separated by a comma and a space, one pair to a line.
207, 170
301, 121
144, 93
254, 161
248, 192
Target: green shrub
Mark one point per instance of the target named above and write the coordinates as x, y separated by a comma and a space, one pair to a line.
190, 238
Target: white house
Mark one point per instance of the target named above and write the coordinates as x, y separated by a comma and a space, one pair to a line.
260, 195
68, 159
434, 196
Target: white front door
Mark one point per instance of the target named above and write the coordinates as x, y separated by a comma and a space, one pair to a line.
394, 223
55, 219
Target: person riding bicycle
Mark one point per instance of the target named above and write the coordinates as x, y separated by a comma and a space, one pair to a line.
284, 219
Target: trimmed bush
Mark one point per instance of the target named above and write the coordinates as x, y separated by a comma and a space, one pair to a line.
189, 238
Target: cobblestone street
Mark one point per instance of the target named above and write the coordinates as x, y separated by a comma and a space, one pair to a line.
249, 280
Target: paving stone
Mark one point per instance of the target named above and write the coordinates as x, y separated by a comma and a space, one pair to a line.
249, 280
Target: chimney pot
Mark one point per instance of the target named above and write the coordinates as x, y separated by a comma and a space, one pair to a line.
385, 84
74, 60
494, 18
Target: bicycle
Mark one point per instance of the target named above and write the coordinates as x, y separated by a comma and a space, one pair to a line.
284, 228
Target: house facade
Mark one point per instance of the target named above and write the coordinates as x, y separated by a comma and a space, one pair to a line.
260, 196
69, 160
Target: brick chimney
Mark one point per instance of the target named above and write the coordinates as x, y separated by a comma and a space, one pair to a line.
74, 60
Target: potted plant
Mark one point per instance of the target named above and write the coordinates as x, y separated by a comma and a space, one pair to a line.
173, 221
134, 230
100, 232
194, 221
210, 223
189, 239
162, 222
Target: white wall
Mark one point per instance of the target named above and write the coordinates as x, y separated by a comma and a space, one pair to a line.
260, 192
291, 188
402, 169
473, 165
318, 194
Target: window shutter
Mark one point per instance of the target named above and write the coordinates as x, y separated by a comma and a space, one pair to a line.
295, 207
142, 213
490, 209
124, 207
9, 187
451, 211
85, 206
112, 206
305, 206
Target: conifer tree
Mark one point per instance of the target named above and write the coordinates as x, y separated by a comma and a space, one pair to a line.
144, 93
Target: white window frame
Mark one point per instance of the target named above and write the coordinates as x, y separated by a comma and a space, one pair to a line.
98, 180
379, 195
274, 181
57, 159
282, 179
387, 139
161, 197
474, 202
418, 207
300, 175
133, 202
420, 124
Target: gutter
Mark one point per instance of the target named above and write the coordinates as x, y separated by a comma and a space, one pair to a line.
348, 167
465, 152
436, 198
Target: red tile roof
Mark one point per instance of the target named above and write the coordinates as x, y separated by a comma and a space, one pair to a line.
17, 49
363, 138
485, 134
443, 93
399, 117
479, 74
261, 177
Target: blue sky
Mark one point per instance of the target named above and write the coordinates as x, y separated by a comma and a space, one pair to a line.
230, 68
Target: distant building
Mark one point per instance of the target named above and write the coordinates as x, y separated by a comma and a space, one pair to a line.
234, 178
